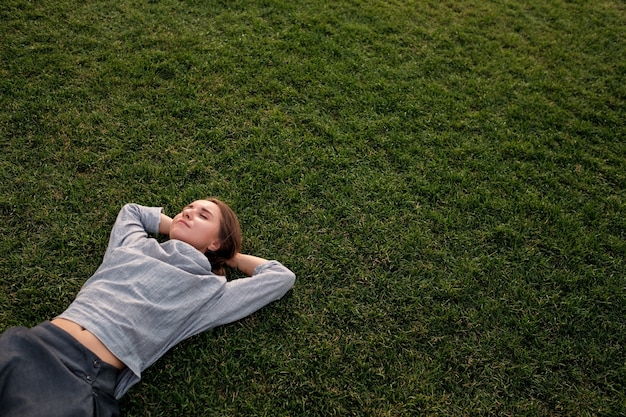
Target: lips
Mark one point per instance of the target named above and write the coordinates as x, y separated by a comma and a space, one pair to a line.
183, 222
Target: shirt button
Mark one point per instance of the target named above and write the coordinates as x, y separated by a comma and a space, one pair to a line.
89, 378
96, 364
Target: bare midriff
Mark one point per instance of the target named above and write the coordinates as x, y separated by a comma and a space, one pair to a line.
90, 341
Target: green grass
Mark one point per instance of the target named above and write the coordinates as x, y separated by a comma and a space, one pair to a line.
447, 179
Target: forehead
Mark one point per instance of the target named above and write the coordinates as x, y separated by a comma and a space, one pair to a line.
206, 205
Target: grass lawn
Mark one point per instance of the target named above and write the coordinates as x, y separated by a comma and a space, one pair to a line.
446, 178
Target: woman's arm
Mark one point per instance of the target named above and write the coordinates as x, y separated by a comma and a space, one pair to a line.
133, 223
164, 224
245, 263
244, 296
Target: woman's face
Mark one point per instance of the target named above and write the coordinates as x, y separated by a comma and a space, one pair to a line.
199, 225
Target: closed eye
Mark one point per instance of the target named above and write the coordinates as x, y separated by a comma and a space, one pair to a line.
206, 213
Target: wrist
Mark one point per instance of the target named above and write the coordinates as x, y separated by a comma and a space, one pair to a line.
233, 262
164, 224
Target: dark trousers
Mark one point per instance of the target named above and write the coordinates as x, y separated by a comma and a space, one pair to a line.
46, 372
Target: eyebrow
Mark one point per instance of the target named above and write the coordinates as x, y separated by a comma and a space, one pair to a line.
203, 209
206, 210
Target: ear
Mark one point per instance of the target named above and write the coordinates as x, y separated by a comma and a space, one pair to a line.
215, 245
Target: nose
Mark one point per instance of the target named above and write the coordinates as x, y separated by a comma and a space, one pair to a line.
187, 213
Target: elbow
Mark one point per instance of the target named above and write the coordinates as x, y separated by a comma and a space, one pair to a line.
288, 281
291, 279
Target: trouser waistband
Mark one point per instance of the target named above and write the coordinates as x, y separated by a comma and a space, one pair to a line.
78, 359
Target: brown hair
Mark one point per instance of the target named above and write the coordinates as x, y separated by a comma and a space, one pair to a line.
230, 238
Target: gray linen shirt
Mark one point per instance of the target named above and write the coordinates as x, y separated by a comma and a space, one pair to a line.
148, 296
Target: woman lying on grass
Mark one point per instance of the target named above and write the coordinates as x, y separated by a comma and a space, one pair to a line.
145, 298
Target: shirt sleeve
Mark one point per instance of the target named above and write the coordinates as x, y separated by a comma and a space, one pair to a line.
134, 223
242, 297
